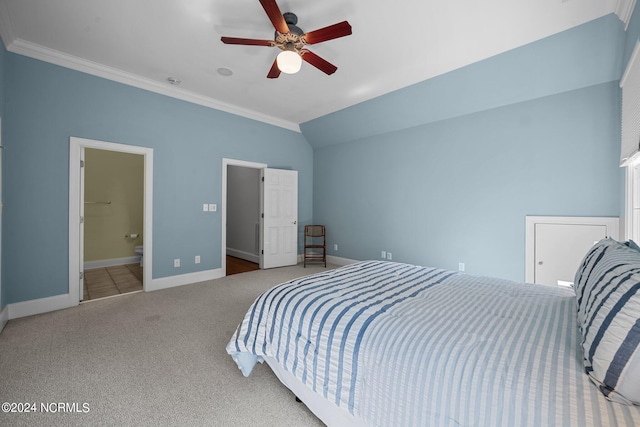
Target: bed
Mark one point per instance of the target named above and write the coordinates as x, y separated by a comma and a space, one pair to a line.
389, 344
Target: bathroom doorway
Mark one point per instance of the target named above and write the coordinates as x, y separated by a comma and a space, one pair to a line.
110, 217
113, 223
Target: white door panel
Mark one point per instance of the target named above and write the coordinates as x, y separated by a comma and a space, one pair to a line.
280, 218
555, 245
561, 247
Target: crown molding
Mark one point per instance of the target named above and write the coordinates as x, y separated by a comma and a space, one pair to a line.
624, 10
7, 33
36, 51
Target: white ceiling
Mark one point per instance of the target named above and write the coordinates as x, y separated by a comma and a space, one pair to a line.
395, 43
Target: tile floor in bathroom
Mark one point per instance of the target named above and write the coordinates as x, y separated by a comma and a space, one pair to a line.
110, 281
122, 279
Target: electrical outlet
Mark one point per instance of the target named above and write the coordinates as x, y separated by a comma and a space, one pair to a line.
383, 254
389, 256
335, 247
461, 266
197, 259
176, 263
213, 207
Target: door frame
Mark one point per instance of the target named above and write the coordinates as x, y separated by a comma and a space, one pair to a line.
76, 145
223, 210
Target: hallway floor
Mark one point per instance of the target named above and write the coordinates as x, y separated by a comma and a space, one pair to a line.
237, 265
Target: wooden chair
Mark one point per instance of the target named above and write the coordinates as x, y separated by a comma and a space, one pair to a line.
315, 238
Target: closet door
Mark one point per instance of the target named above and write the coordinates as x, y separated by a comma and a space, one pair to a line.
555, 246
560, 249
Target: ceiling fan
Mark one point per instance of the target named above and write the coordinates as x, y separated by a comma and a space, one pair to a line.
292, 41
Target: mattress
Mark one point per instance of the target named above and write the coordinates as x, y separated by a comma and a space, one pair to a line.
403, 345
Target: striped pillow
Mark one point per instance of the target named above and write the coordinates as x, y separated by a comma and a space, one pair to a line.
607, 286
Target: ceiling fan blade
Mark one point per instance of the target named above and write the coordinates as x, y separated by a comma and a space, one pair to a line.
331, 32
250, 42
318, 62
274, 72
275, 16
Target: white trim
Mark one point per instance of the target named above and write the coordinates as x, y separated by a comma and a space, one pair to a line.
7, 32
631, 193
339, 260
624, 10
223, 209
60, 302
184, 279
632, 59
628, 198
331, 259
4, 318
36, 51
75, 147
612, 224
631, 160
87, 301
40, 305
111, 262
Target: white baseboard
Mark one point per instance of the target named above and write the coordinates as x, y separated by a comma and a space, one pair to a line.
59, 302
340, 261
111, 262
184, 279
4, 317
38, 306
243, 255
333, 260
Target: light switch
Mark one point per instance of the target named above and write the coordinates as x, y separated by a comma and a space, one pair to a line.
205, 207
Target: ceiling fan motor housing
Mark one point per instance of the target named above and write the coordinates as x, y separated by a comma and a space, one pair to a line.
291, 19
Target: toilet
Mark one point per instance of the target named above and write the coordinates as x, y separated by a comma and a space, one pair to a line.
139, 250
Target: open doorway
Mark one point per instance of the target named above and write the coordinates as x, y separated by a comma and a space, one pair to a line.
129, 232
113, 223
243, 219
241, 216
278, 215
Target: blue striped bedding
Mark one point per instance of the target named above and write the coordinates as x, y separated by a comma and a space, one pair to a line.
400, 345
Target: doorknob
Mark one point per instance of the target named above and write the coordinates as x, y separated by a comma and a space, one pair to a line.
295, 222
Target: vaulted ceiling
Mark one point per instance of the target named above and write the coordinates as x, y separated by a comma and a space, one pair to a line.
394, 44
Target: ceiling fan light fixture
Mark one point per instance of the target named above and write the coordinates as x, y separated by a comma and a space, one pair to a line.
289, 61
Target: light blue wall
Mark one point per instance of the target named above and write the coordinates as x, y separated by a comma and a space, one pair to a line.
587, 55
438, 173
458, 190
536, 134
47, 104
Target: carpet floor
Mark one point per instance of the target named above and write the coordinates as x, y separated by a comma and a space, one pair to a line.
146, 359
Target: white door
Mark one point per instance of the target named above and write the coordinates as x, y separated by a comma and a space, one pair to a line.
279, 203
559, 249
81, 231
